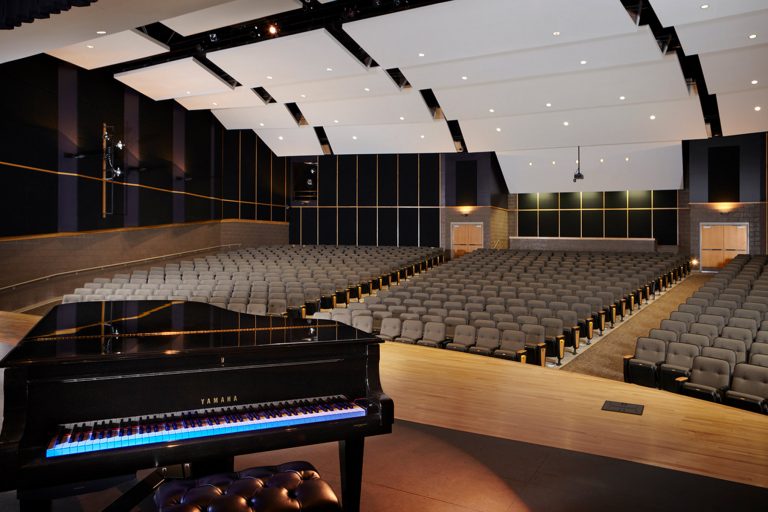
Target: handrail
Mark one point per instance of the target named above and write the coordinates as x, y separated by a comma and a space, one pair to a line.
111, 265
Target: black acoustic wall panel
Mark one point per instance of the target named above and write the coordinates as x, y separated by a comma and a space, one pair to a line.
548, 201
640, 224
570, 200
200, 165
408, 180
366, 180
229, 177
347, 180
527, 201
616, 223
247, 167
347, 226
570, 223
639, 198
309, 226
592, 223
387, 180
723, 172
548, 224
592, 200
429, 222
387, 226
429, 180
20, 215
366, 226
665, 198
527, 223
326, 181
616, 199
264, 158
294, 226
279, 188
466, 182
665, 227
327, 225
409, 226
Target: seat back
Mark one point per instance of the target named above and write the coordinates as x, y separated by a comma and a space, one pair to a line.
363, 322
718, 311
716, 320
698, 340
412, 329
434, 331
552, 326
512, 339
488, 337
736, 346
744, 323
675, 326
709, 330
464, 335
721, 353
682, 316
390, 327
759, 360
692, 309
681, 354
738, 333
711, 372
533, 333
750, 379
663, 335
650, 349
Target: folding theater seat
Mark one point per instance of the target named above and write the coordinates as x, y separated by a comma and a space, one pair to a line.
643, 367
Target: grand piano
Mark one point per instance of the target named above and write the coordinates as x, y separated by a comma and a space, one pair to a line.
104, 389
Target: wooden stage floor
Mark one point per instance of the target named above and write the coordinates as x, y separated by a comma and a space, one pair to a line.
493, 397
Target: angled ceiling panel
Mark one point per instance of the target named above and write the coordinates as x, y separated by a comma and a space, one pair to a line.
621, 50
724, 33
674, 120
468, 28
680, 12
736, 70
81, 24
110, 49
299, 141
373, 81
405, 107
657, 81
174, 79
256, 118
738, 112
431, 137
308, 56
656, 166
238, 97
227, 14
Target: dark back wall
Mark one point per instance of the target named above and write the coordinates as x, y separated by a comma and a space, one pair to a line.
179, 166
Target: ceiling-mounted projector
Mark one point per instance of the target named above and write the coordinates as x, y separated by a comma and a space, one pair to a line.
577, 175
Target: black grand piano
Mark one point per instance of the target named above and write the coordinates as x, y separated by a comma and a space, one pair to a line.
103, 389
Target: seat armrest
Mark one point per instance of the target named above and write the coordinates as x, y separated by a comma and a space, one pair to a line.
626, 360
679, 383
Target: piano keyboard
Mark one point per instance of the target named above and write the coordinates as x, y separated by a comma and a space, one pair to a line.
118, 433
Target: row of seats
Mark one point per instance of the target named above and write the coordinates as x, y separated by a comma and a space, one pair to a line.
712, 347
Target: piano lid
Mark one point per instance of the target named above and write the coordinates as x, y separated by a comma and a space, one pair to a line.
118, 329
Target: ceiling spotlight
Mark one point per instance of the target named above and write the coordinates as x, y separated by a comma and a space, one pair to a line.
582, 62
367, 89
101, 32
421, 136
269, 77
652, 117
622, 98
530, 164
626, 159
704, 6
491, 110
548, 105
329, 69
753, 36
279, 137
554, 162
464, 77
215, 104
272, 29
754, 82
421, 54
758, 108
336, 121
303, 95
498, 129
261, 124
354, 137
402, 118
189, 92
89, 46
213, 37
565, 123
602, 160
556, 33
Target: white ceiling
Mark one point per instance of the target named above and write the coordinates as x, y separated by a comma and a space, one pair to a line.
110, 49
474, 55
81, 23
174, 79
227, 14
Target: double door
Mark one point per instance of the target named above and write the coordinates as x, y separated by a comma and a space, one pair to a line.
720, 243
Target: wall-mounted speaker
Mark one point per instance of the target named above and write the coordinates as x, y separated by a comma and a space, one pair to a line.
304, 181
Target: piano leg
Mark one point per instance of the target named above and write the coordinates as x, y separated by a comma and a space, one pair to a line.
351, 462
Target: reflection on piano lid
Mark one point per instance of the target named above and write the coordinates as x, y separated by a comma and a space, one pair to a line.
117, 329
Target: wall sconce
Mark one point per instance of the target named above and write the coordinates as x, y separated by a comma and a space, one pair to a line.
694, 262
466, 210
724, 208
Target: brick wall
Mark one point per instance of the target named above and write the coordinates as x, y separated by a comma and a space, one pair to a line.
753, 213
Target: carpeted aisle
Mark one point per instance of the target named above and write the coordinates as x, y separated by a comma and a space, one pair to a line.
605, 358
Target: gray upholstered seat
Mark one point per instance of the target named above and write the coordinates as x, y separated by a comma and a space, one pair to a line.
735, 346
486, 341
749, 388
363, 322
709, 379
677, 363
512, 345
390, 328
463, 338
699, 340
434, 334
664, 335
643, 367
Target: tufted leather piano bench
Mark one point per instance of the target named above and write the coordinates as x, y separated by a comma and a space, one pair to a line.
293, 486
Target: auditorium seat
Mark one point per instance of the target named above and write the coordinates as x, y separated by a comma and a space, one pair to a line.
678, 363
664, 335
390, 328
749, 388
363, 323
709, 379
736, 346
411, 332
721, 353
463, 338
512, 346
678, 327
434, 335
643, 367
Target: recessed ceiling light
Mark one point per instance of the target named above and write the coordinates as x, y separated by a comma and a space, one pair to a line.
464, 77
261, 124
622, 98
279, 137
421, 136
491, 110
303, 95
367, 89
652, 117
272, 29
421, 54
269, 77
498, 129
548, 105
626, 159
565, 123
554, 162
530, 164
582, 62
758, 108
101, 32
704, 6
402, 118
90, 46
215, 104
753, 36
189, 92
329, 69
754, 82
336, 121
556, 33
577, 162
602, 160
354, 137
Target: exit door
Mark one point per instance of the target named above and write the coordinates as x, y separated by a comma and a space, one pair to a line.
466, 237
720, 243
